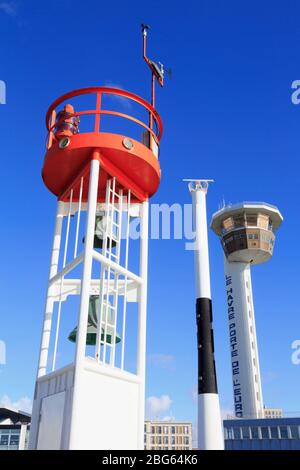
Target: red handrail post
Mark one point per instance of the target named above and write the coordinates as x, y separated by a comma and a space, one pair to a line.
154, 117
98, 107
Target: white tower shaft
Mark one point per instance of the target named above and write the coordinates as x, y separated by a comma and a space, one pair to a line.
210, 435
247, 390
202, 271
96, 390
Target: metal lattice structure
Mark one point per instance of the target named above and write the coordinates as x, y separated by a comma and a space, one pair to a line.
104, 183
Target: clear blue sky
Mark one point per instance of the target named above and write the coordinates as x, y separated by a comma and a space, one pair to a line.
227, 114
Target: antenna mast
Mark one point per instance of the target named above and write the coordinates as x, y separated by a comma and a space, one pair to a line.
157, 71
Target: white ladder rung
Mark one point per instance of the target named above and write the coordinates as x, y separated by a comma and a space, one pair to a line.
108, 324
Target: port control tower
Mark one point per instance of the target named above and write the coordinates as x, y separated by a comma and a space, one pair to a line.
247, 233
90, 385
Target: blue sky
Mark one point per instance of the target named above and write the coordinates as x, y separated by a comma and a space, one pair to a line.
227, 115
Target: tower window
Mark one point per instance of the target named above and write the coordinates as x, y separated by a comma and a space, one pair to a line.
251, 220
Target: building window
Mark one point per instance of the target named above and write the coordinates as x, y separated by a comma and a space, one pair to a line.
239, 221
254, 433
173, 430
173, 440
274, 432
245, 432
158, 440
4, 440
185, 430
264, 432
228, 224
14, 440
186, 441
294, 432
152, 429
152, 440
237, 433
165, 440
251, 220
263, 221
283, 432
158, 429
166, 430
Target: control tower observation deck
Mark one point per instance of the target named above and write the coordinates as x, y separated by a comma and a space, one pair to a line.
247, 233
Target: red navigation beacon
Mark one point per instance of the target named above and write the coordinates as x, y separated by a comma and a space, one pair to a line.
103, 176
69, 152
134, 164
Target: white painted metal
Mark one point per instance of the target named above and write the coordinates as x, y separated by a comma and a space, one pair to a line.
44, 348
22, 439
142, 318
103, 288
84, 303
118, 227
198, 191
247, 389
78, 216
125, 280
62, 281
125, 272
51, 422
91, 390
73, 287
210, 433
114, 218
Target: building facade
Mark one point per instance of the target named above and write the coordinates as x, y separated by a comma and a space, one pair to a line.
168, 435
14, 429
262, 434
273, 412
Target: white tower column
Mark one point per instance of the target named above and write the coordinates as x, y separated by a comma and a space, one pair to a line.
44, 347
142, 317
103, 388
75, 442
247, 390
22, 438
210, 435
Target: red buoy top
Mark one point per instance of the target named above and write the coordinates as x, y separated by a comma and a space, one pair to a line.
133, 163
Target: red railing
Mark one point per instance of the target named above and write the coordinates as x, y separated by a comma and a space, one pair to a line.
154, 127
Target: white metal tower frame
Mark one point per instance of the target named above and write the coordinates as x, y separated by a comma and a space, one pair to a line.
210, 434
246, 379
94, 392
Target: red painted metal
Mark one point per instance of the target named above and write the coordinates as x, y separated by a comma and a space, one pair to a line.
110, 91
136, 168
154, 73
